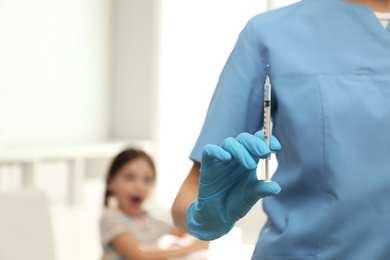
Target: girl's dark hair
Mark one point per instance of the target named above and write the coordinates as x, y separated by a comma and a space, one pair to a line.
121, 159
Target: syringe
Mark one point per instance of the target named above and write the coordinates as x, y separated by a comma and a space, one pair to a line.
267, 120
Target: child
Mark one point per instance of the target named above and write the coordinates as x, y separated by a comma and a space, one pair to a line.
127, 231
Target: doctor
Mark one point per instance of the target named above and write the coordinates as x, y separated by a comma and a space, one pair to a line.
330, 196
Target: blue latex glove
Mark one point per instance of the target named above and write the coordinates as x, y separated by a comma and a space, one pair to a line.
228, 184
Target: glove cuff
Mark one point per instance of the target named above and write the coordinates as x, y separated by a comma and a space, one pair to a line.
201, 226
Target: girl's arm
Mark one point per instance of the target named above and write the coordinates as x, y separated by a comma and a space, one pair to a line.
127, 246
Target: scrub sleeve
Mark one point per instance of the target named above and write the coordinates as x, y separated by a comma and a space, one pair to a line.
237, 102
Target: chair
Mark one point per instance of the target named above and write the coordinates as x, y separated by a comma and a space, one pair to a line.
25, 226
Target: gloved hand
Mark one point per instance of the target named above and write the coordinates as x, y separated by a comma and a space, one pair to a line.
228, 184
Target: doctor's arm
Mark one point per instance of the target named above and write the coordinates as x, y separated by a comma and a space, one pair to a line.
185, 197
223, 187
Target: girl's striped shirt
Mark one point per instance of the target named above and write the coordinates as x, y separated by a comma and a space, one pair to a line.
146, 230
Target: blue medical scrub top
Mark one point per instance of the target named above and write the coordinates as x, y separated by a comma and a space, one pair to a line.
330, 74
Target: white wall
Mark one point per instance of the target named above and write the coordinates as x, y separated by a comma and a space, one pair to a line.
135, 40
273, 4
54, 71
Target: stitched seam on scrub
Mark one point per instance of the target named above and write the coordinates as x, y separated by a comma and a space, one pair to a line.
326, 195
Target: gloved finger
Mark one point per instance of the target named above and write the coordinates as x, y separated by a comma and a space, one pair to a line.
273, 142
214, 152
239, 153
254, 145
263, 189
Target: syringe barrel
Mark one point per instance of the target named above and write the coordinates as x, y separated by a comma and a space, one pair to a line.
267, 92
267, 111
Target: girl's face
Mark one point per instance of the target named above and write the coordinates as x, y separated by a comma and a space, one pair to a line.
132, 185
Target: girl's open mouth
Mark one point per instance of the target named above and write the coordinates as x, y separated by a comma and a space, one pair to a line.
135, 201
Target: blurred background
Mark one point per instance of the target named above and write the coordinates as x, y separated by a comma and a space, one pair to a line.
82, 79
